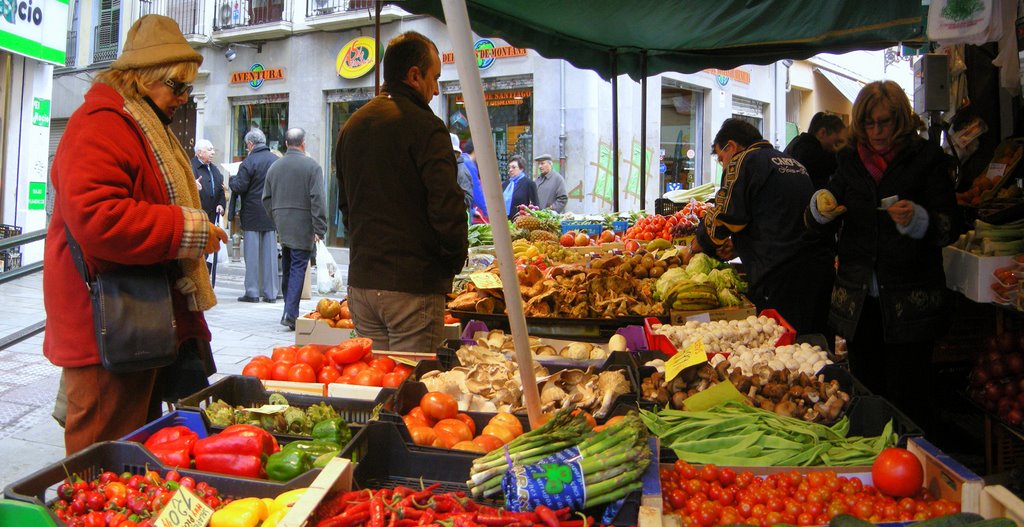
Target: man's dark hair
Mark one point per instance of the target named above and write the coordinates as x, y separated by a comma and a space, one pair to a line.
405, 51
468, 147
738, 130
294, 137
829, 121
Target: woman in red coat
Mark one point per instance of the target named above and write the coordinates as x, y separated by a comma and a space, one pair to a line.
124, 188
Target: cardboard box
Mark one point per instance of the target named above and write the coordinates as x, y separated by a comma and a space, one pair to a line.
309, 331
971, 274
722, 313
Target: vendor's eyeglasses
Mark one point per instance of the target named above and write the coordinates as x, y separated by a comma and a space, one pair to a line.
880, 124
179, 88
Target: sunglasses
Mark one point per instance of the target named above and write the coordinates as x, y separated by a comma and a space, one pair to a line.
179, 88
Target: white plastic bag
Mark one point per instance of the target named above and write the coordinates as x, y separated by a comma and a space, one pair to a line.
328, 279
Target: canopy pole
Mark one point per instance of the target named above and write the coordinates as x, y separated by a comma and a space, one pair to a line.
457, 18
376, 49
643, 130
615, 131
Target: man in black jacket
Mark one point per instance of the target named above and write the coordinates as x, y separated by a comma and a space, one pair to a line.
259, 244
816, 148
760, 207
401, 205
210, 183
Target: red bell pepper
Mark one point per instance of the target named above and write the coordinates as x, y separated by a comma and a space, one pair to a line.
173, 445
170, 433
239, 450
268, 441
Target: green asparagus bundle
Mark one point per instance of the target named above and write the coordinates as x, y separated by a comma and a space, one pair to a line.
612, 460
736, 434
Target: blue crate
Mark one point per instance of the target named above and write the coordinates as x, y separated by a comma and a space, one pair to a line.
193, 420
620, 227
590, 227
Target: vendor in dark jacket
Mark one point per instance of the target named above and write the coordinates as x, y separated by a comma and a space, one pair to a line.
401, 205
892, 203
815, 149
760, 208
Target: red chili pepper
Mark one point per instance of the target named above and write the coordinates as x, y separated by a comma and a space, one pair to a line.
563, 513
345, 520
427, 518
234, 464
498, 519
589, 522
376, 513
406, 523
546, 515
425, 493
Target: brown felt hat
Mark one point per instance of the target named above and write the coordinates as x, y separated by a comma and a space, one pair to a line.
155, 40
543, 157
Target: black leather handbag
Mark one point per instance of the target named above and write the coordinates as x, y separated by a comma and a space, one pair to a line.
132, 314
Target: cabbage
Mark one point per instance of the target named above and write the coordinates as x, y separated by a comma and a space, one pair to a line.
726, 297
727, 278
700, 263
669, 280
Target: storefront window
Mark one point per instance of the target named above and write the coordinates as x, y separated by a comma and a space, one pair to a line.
341, 107
510, 110
681, 132
270, 116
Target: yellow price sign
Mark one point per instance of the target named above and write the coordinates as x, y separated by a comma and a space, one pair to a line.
693, 354
184, 509
486, 280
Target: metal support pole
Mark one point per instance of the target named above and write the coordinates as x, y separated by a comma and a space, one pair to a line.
615, 132
643, 130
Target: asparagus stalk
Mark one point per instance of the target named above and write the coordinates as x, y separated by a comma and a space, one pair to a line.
610, 485
614, 495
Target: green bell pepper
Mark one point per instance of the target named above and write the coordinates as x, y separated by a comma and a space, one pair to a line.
322, 460
287, 464
314, 448
334, 430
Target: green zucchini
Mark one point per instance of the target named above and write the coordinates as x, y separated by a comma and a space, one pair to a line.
952, 520
848, 520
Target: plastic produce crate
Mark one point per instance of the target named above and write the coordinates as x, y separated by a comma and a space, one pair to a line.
193, 420
40, 487
663, 344
239, 390
592, 228
23, 513
383, 460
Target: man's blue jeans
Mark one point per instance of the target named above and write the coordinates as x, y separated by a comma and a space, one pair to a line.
293, 264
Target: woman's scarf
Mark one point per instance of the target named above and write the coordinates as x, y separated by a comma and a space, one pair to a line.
181, 190
876, 162
510, 188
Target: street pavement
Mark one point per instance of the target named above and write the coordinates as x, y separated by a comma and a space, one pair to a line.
29, 437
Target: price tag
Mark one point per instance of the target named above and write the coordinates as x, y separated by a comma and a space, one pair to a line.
486, 280
693, 354
403, 360
713, 396
996, 170
184, 510
269, 409
699, 317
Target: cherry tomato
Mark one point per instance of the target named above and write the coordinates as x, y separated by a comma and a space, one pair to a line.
897, 472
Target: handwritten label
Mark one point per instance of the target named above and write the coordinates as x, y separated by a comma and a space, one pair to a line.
693, 354
403, 360
486, 280
184, 510
269, 409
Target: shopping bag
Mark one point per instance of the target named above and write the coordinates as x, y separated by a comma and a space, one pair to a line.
328, 278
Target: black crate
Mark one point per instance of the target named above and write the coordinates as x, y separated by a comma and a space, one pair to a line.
240, 390
116, 456
666, 207
869, 413
384, 460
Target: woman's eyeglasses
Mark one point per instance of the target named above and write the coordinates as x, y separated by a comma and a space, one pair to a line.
179, 88
880, 124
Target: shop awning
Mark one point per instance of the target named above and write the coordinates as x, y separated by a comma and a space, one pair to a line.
686, 37
847, 86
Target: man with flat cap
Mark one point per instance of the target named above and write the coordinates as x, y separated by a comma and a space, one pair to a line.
550, 185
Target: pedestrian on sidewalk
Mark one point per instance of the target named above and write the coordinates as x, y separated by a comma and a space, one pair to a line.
293, 196
259, 241
125, 192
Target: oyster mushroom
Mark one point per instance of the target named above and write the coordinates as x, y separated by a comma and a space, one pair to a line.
611, 384
577, 351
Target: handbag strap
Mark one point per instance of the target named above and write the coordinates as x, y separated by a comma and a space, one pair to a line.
76, 255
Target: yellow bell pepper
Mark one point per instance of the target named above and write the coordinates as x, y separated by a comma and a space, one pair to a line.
246, 512
274, 517
287, 499
272, 506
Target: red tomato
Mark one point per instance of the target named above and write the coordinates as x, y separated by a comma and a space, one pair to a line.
468, 420
439, 405
384, 364
260, 370
418, 413
404, 369
301, 372
369, 377
341, 355
264, 359
353, 369
897, 472
280, 370
311, 354
284, 353
392, 379
328, 375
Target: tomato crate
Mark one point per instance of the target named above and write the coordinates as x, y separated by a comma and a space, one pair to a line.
592, 228
40, 487
384, 460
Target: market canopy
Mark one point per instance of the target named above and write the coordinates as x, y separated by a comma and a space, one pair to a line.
688, 36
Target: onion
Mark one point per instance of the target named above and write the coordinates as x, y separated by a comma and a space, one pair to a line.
992, 392
1014, 417
1010, 390
990, 356
1006, 342
996, 370
990, 343
1015, 363
979, 377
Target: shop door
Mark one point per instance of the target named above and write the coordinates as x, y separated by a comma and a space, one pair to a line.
184, 126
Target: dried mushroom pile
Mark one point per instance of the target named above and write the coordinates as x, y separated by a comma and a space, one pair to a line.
487, 381
609, 288
785, 392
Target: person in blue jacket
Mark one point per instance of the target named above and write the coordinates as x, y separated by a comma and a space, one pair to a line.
519, 189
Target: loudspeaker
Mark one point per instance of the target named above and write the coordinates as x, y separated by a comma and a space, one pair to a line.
931, 83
